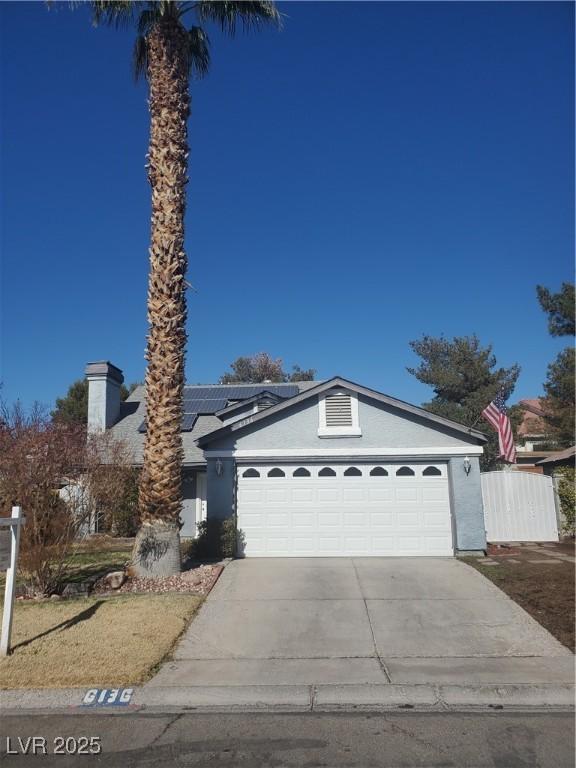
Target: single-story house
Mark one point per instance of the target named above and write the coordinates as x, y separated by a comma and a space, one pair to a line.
532, 436
565, 458
315, 468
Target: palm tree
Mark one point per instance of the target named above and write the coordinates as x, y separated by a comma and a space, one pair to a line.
168, 53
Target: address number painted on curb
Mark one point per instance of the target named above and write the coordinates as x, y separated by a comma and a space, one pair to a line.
107, 697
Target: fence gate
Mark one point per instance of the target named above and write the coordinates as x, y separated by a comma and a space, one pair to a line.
519, 506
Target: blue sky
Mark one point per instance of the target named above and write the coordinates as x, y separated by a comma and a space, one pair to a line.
374, 172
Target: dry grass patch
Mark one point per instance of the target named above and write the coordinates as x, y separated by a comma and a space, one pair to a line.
95, 642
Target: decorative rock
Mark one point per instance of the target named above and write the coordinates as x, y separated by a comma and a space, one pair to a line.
76, 589
113, 580
192, 576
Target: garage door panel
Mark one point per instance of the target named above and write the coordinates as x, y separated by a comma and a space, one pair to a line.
278, 520
380, 519
329, 519
408, 544
251, 496
355, 519
329, 495
304, 545
385, 495
302, 495
332, 515
278, 543
437, 544
356, 545
303, 520
407, 519
437, 493
277, 496
404, 495
436, 519
382, 545
253, 520
329, 544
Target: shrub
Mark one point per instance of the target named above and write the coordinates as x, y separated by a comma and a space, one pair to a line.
217, 538
59, 478
37, 458
112, 481
567, 496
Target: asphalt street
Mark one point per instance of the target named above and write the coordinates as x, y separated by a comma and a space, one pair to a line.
352, 740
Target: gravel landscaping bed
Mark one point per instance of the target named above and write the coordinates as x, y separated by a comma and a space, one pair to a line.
196, 581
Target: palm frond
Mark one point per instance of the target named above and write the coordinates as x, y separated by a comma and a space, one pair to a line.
116, 13
140, 58
198, 52
146, 20
251, 13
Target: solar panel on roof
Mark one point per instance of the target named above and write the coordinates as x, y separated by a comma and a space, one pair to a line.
204, 406
186, 425
238, 392
188, 421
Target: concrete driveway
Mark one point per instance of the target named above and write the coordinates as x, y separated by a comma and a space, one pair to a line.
330, 621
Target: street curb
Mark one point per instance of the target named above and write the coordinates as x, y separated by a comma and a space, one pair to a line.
299, 698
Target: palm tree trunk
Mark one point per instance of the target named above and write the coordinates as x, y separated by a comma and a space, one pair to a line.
157, 546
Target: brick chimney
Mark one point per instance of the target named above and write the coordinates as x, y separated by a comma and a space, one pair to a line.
104, 381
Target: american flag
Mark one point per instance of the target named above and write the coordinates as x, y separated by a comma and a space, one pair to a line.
496, 414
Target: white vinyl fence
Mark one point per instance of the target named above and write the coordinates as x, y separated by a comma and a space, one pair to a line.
519, 506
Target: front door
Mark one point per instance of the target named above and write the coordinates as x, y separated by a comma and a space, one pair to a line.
200, 497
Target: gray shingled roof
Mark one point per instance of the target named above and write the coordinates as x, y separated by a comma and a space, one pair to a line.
133, 413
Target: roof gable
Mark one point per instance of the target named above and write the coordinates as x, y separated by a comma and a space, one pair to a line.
265, 394
337, 381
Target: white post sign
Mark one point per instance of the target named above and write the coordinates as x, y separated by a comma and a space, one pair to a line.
9, 541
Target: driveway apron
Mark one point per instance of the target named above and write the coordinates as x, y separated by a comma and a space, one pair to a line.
330, 621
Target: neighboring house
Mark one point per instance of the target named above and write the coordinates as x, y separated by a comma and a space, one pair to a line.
531, 435
315, 468
565, 458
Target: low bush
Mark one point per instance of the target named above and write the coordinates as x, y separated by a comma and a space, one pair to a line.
567, 495
216, 539
112, 482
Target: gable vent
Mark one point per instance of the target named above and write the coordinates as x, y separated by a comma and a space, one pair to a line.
338, 410
264, 404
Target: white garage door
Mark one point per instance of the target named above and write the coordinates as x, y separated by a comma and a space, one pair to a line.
341, 509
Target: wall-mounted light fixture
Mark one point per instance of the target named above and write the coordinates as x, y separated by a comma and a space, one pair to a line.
467, 465
219, 468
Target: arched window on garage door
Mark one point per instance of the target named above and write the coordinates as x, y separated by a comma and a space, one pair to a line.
379, 472
432, 472
327, 472
352, 472
405, 472
250, 473
276, 473
301, 472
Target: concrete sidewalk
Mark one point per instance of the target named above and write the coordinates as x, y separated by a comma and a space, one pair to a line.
302, 698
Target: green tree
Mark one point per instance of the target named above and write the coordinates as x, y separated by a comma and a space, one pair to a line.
465, 379
73, 408
560, 309
262, 367
168, 51
558, 403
